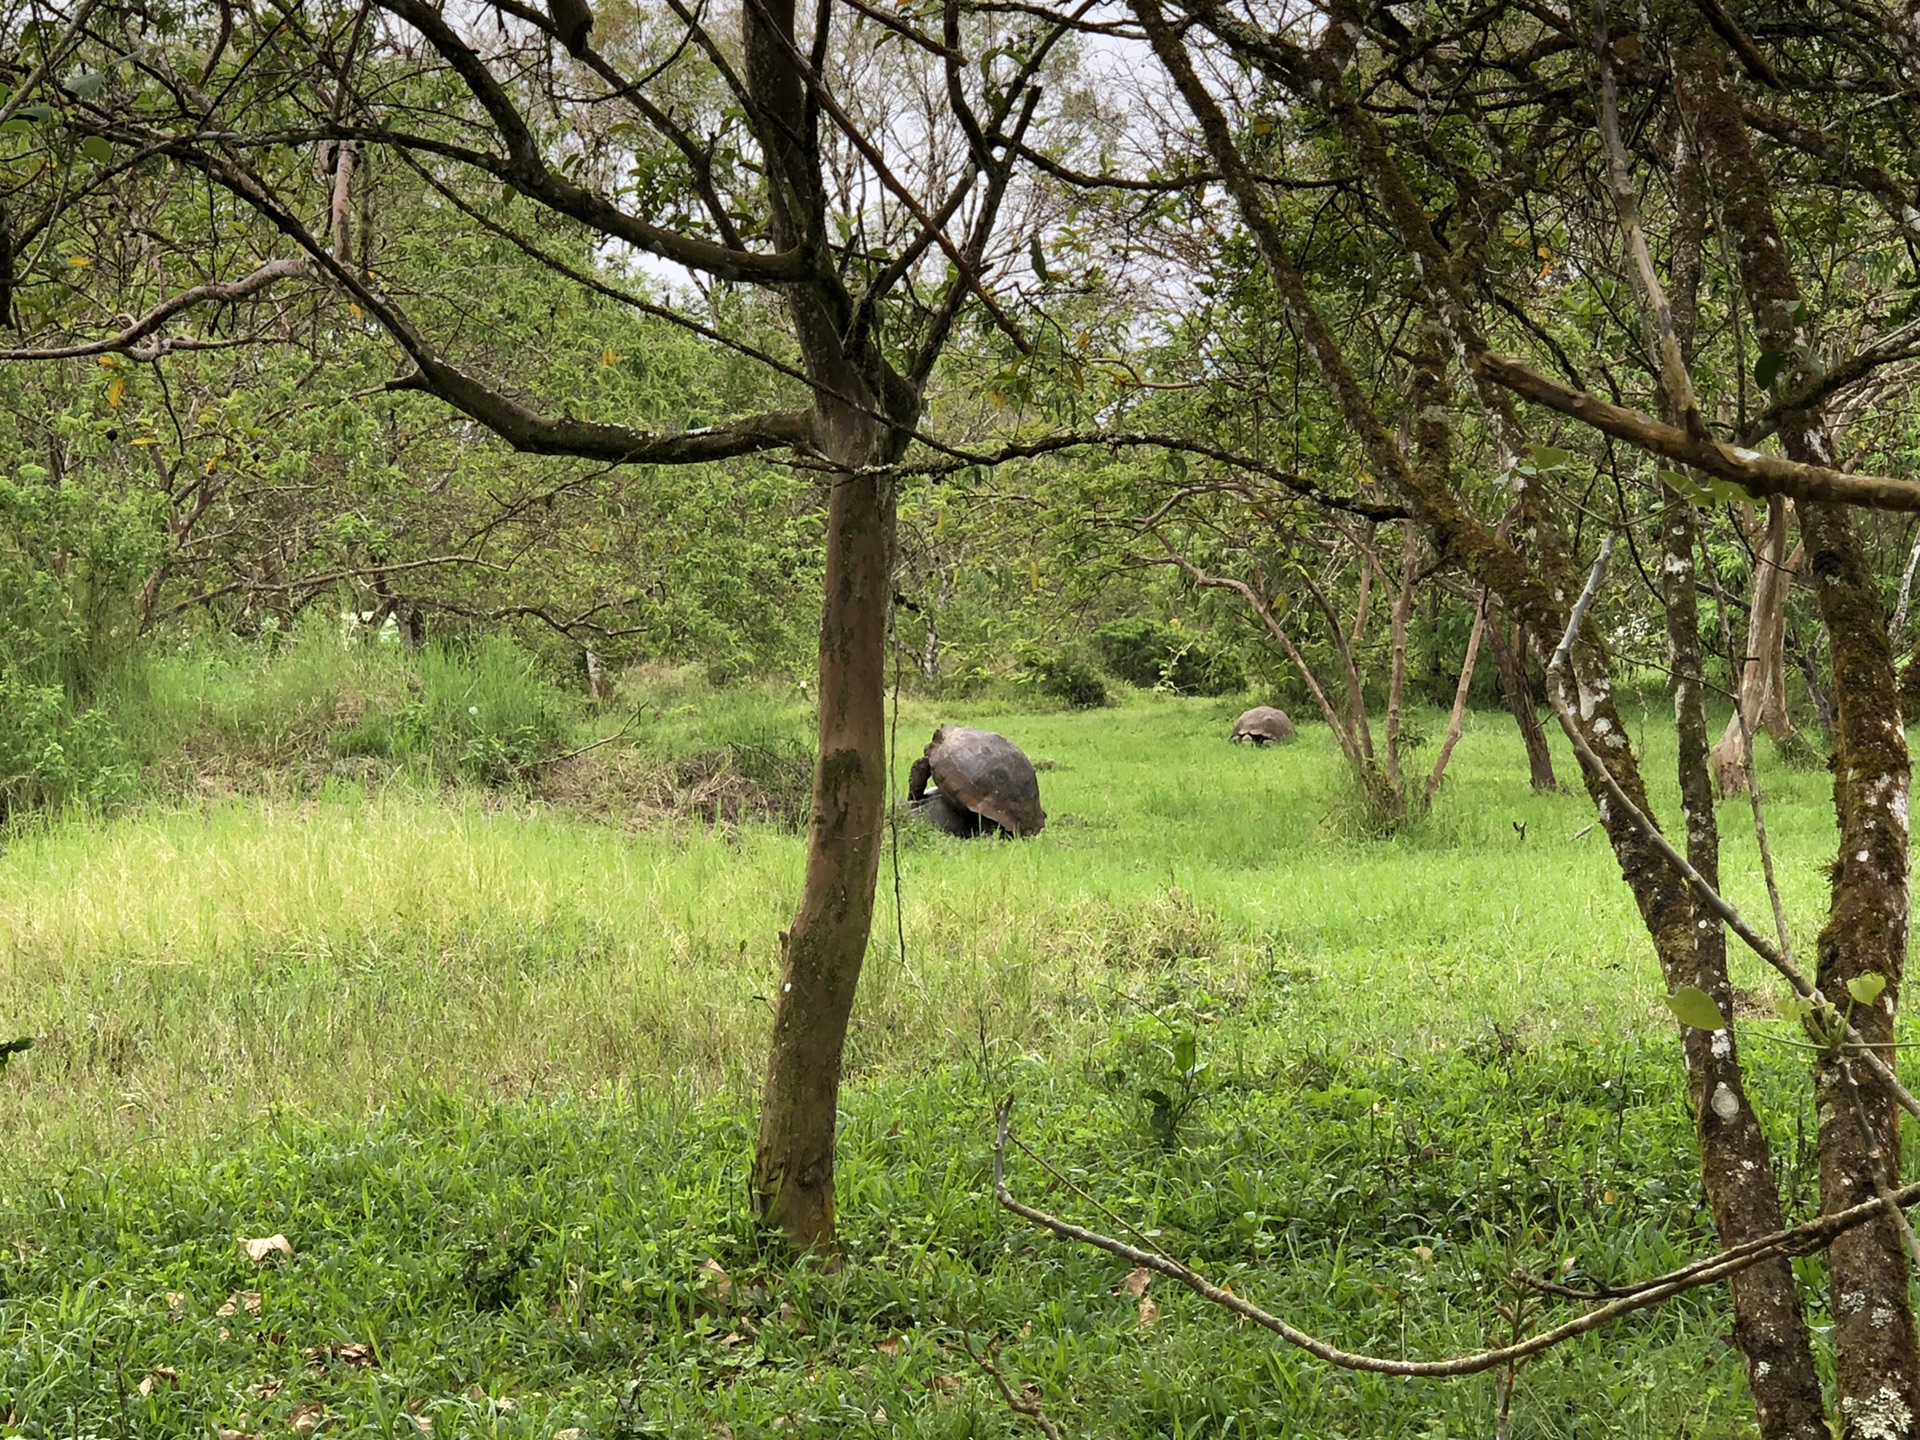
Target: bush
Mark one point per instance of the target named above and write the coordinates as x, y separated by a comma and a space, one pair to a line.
71, 562
1070, 679
51, 754
1153, 655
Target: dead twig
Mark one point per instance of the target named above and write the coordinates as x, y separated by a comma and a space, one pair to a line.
620, 734
1017, 1402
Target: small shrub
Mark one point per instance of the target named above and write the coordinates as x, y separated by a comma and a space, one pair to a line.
1071, 679
51, 754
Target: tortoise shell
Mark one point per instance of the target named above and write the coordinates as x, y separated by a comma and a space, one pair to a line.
1263, 725
988, 775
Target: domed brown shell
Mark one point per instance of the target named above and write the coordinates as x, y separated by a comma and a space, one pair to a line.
989, 775
1263, 725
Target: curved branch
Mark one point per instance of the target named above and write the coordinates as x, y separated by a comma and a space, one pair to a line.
218, 292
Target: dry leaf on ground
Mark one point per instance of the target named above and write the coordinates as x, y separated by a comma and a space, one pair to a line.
221, 1433
161, 1376
305, 1419
422, 1423
1137, 1282
572, 1432
247, 1300
176, 1304
267, 1249
1149, 1312
267, 1389
351, 1353
892, 1346
714, 1277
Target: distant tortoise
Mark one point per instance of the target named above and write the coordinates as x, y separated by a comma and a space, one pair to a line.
981, 781
1263, 725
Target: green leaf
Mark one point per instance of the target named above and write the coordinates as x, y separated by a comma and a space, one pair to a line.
1039, 258
1793, 1007
1767, 368
98, 148
1695, 1007
1184, 1052
1548, 457
1866, 988
85, 84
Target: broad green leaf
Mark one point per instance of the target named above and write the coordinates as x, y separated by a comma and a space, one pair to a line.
1184, 1052
1548, 457
1767, 368
1866, 988
1695, 1007
98, 148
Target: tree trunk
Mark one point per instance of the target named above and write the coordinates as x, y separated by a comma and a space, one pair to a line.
1763, 672
1516, 689
1876, 1357
824, 949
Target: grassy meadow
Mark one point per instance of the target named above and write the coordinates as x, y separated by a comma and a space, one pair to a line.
488, 1059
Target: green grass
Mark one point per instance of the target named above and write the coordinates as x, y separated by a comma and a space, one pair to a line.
492, 1068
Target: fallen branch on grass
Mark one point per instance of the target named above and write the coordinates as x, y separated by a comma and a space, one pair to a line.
1804, 1239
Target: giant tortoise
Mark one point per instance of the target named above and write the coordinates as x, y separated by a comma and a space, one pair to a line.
981, 781
1263, 725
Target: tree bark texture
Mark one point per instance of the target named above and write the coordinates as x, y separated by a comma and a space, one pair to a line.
1877, 1360
824, 949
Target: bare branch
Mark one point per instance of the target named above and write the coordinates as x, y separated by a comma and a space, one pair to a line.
218, 292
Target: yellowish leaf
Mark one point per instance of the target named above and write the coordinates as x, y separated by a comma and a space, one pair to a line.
353, 310
609, 356
116, 390
267, 1249
79, 262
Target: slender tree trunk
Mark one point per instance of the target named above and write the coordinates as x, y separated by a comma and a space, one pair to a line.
1457, 718
1876, 1357
1763, 673
824, 949
1516, 689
